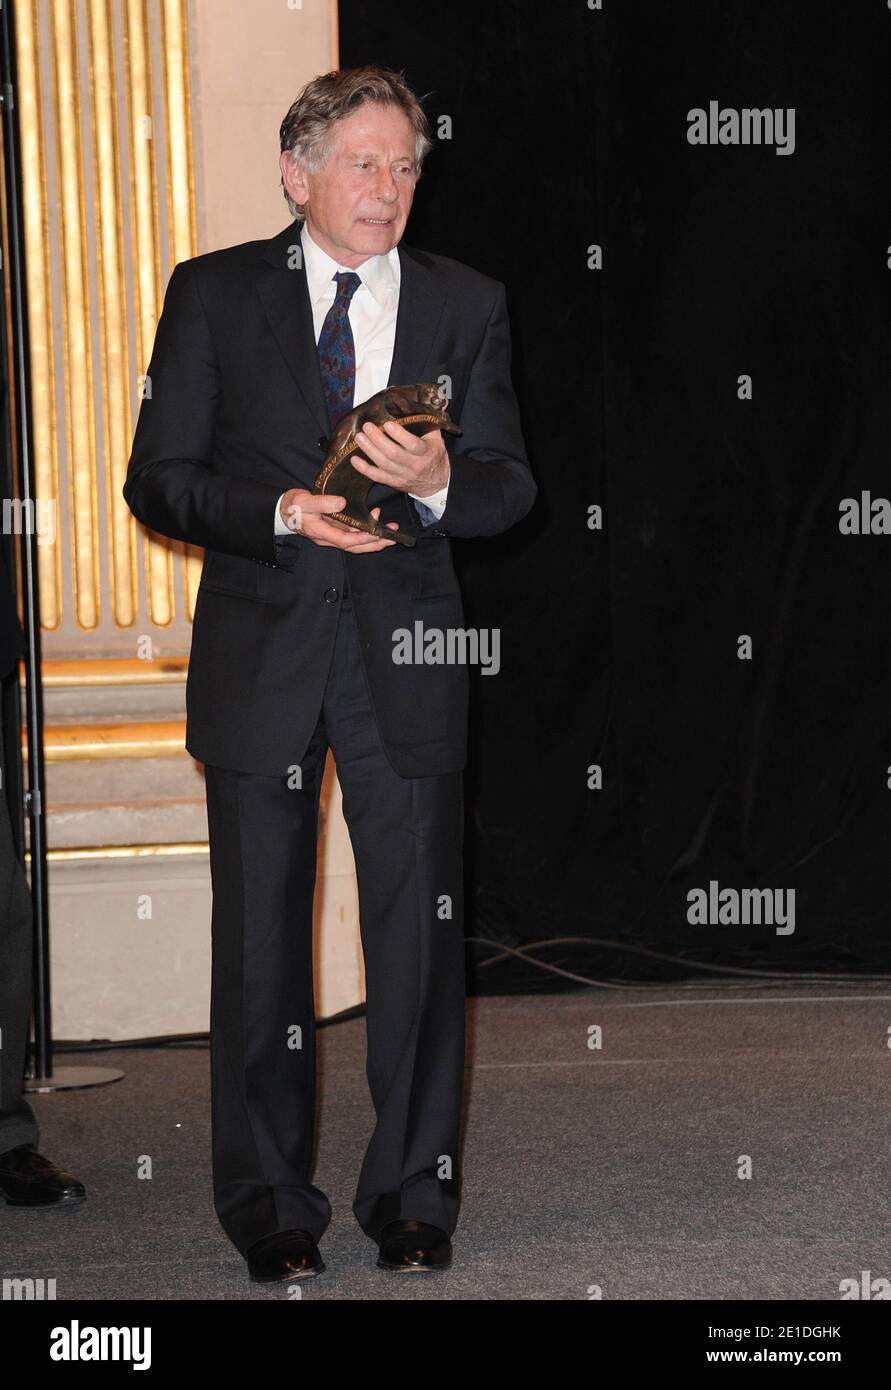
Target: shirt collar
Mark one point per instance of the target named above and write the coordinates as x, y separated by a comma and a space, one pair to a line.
379, 273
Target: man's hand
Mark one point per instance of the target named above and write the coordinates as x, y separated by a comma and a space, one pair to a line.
305, 512
399, 459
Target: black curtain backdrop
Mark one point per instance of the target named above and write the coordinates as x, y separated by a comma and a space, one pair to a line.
619, 646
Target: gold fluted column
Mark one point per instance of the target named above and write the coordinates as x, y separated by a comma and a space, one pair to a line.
180, 187
45, 457
147, 278
112, 313
108, 192
181, 218
77, 348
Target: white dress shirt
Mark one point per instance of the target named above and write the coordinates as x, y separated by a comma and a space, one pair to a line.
372, 314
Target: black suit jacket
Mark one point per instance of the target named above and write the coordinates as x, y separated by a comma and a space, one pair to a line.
234, 414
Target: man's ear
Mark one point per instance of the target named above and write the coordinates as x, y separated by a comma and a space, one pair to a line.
294, 178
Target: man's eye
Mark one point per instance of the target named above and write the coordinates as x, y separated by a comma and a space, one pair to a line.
401, 169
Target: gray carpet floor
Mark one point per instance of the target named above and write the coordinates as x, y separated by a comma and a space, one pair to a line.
608, 1172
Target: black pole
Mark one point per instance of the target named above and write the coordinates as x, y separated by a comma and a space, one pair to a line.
19, 389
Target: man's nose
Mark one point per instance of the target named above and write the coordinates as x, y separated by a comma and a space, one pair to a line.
386, 186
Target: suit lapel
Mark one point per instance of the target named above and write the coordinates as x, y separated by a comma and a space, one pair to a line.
285, 296
284, 292
421, 303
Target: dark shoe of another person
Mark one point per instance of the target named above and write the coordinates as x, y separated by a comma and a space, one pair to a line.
283, 1256
411, 1247
27, 1179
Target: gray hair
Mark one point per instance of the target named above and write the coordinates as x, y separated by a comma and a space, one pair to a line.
306, 130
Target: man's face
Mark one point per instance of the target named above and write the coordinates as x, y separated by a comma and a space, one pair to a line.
358, 204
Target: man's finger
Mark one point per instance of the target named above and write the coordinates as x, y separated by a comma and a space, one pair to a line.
318, 503
405, 439
296, 512
345, 538
380, 446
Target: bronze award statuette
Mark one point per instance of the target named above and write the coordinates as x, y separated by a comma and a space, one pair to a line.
417, 408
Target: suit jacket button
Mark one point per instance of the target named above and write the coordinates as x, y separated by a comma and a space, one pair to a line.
323, 443
331, 595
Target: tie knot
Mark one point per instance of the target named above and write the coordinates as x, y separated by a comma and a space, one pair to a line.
347, 284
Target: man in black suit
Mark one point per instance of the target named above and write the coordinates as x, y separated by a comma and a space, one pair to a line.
27, 1178
260, 349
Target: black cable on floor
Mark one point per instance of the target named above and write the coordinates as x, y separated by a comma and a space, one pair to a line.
742, 974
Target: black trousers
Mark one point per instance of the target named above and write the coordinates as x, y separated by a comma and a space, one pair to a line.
406, 835
17, 1122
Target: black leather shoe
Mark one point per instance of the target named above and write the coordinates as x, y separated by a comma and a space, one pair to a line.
284, 1255
413, 1246
27, 1179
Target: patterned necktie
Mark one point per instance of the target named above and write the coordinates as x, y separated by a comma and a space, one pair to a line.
337, 351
